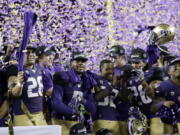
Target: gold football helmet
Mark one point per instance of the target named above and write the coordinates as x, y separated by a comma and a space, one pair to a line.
162, 34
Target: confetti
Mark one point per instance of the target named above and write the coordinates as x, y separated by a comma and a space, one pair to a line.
89, 25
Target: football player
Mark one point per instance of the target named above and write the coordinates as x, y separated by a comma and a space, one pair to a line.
57, 65
138, 85
27, 87
155, 77
72, 90
170, 91
137, 58
5, 98
106, 114
44, 59
43, 54
117, 52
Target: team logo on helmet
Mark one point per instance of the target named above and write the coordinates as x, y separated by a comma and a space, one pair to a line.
137, 122
162, 34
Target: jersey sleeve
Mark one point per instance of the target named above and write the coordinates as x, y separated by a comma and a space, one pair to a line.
57, 101
47, 80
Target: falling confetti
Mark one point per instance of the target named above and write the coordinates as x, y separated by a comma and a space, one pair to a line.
89, 25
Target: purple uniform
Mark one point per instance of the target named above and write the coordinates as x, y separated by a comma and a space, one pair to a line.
32, 92
46, 76
49, 72
122, 107
106, 108
57, 68
68, 85
171, 92
143, 101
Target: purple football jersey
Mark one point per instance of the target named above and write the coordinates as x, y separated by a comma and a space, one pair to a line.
32, 92
143, 100
72, 86
122, 107
106, 108
171, 92
57, 68
46, 76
